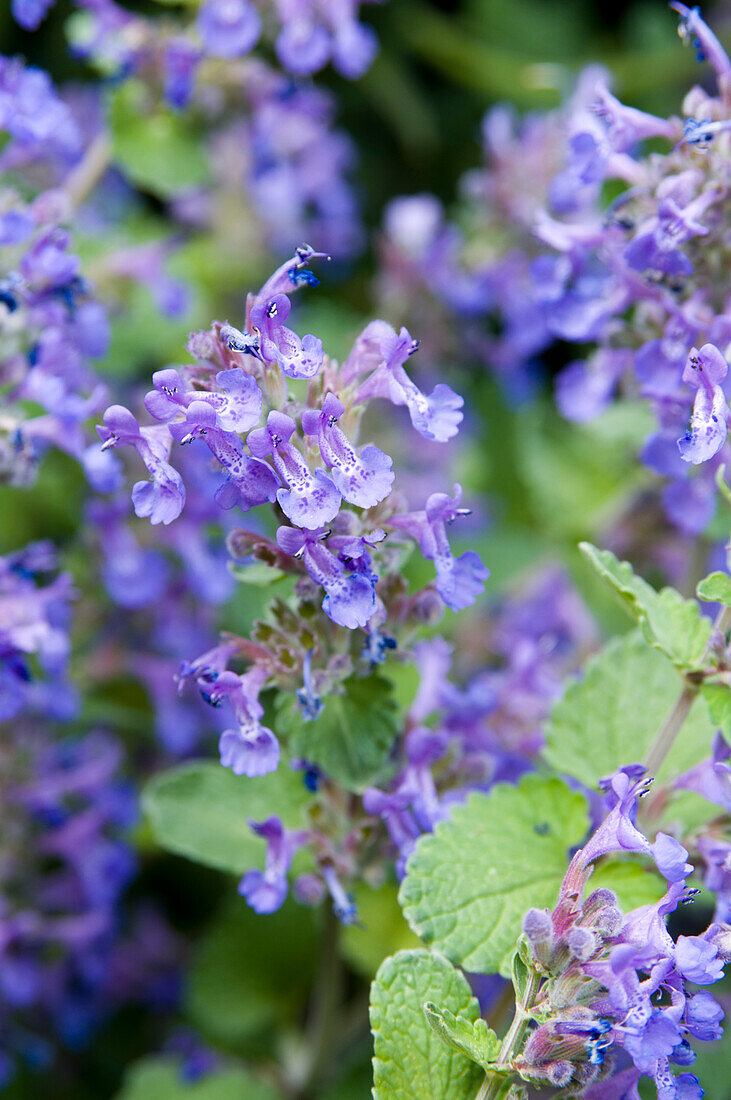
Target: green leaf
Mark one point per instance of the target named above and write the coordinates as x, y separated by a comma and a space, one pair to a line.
201, 810
409, 1059
351, 739
634, 883
161, 1078
473, 1039
718, 700
381, 929
611, 716
715, 588
469, 882
258, 573
237, 985
155, 148
669, 622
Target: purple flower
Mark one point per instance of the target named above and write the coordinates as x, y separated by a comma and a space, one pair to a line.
249, 481
670, 857
298, 358
252, 749
228, 28
703, 1017
459, 580
584, 388
705, 370
180, 63
163, 498
266, 890
692, 29
303, 46
656, 246
437, 416
237, 401
711, 778
698, 960
310, 499
365, 479
40, 124
350, 599
31, 13
344, 906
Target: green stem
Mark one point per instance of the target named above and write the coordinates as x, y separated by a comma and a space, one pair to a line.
495, 1085
322, 1022
673, 724
670, 729
87, 174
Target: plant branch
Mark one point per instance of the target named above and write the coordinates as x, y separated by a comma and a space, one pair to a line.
495, 1085
90, 169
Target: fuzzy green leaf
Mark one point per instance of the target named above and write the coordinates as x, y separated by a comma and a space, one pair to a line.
668, 621
154, 147
351, 739
473, 1039
409, 1059
611, 716
469, 882
201, 810
715, 588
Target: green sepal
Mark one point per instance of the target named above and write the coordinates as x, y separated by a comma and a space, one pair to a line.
472, 1038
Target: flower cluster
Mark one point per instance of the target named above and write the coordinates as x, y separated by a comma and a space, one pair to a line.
235, 406
612, 982
634, 281
310, 34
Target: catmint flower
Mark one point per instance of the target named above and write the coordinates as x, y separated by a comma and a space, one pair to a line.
228, 28
163, 498
310, 499
310, 704
705, 370
265, 891
692, 28
249, 481
31, 13
350, 598
252, 749
459, 580
298, 358
180, 63
656, 246
437, 416
363, 479
344, 905
237, 399
40, 124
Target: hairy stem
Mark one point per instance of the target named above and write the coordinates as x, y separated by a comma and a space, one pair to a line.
670, 729
494, 1086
